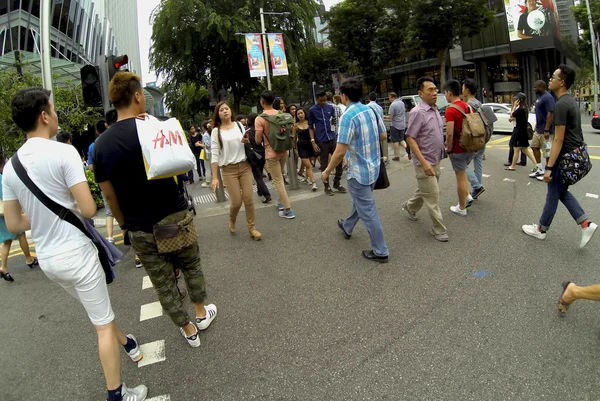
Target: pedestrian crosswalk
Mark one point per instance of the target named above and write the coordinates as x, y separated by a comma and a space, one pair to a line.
211, 197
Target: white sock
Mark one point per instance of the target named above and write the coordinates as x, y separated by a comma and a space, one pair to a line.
540, 166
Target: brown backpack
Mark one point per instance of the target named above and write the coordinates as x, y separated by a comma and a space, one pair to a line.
472, 136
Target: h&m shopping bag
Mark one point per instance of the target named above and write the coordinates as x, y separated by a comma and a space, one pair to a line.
165, 148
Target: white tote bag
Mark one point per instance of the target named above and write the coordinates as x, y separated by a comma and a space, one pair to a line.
165, 148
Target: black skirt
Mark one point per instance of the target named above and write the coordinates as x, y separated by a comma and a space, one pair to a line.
305, 149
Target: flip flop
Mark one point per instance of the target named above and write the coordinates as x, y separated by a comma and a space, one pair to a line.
563, 307
509, 169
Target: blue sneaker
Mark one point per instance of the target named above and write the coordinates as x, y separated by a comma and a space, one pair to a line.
287, 215
280, 206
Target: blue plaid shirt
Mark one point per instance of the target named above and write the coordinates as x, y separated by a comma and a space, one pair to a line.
359, 128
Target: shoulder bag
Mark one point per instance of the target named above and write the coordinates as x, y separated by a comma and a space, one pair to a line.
574, 165
65, 214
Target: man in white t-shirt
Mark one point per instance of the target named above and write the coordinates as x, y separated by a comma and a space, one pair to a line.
66, 255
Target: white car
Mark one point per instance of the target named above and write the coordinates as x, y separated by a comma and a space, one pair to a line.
502, 112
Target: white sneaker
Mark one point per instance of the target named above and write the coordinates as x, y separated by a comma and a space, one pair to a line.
533, 230
211, 313
314, 186
193, 340
301, 179
587, 234
136, 353
308, 181
457, 210
470, 200
138, 393
537, 173
205, 185
111, 240
540, 178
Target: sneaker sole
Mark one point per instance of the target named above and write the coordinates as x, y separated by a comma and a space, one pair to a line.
581, 246
288, 217
479, 193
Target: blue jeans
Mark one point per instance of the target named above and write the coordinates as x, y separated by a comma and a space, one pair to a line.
363, 208
557, 190
476, 178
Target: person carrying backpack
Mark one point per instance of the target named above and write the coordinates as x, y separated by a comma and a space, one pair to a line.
275, 128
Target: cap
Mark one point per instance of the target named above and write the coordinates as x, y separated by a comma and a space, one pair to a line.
520, 96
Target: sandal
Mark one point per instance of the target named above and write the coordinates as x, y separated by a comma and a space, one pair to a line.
563, 307
509, 169
33, 264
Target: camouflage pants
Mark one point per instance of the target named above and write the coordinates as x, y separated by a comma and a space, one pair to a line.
160, 267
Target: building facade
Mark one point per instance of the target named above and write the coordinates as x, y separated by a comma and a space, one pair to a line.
82, 32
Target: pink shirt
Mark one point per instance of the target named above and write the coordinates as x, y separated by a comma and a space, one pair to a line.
426, 127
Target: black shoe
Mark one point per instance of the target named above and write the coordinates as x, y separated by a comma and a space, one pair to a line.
340, 189
341, 226
267, 200
522, 164
259, 193
328, 190
33, 264
478, 192
369, 255
507, 164
270, 178
7, 277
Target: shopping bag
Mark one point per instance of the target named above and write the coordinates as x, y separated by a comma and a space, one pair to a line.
165, 148
202, 155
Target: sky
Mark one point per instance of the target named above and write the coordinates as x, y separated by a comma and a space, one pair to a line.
145, 7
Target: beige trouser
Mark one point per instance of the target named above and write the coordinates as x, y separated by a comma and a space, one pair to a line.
428, 192
275, 167
238, 179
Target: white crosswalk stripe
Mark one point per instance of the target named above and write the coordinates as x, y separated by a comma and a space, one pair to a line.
165, 397
146, 283
150, 311
154, 352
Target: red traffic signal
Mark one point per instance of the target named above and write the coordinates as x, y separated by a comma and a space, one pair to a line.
115, 63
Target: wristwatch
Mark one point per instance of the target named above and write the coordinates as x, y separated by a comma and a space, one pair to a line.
312, 140
549, 168
546, 131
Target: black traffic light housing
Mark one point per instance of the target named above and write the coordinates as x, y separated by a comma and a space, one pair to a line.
115, 63
91, 85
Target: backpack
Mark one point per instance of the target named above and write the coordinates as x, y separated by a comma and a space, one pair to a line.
472, 136
489, 118
280, 134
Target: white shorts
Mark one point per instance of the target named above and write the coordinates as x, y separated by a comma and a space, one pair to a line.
80, 273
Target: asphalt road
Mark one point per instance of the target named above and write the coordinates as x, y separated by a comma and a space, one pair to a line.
303, 317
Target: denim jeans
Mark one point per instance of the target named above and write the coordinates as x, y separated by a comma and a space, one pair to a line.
476, 178
363, 208
557, 190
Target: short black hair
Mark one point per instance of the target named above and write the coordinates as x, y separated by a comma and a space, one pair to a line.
277, 103
111, 117
567, 74
321, 94
268, 97
452, 86
64, 137
240, 117
27, 105
329, 96
421, 82
352, 87
250, 119
471, 85
372, 96
205, 125
101, 126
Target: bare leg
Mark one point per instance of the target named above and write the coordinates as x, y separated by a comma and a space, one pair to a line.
309, 171
108, 349
4, 251
25, 248
200, 311
574, 292
538, 155
529, 154
397, 149
109, 226
462, 188
515, 159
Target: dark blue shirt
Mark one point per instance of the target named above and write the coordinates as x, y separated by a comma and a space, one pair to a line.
319, 118
543, 106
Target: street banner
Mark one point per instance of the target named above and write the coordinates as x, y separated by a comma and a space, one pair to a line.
278, 60
256, 60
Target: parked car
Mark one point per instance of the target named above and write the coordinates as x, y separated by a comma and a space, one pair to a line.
502, 112
596, 121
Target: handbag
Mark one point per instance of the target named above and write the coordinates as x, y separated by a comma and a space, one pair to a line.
574, 165
383, 181
202, 155
173, 237
67, 215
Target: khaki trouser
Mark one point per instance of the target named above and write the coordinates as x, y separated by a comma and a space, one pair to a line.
275, 167
238, 179
428, 192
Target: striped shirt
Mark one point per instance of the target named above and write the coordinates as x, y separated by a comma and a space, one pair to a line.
360, 127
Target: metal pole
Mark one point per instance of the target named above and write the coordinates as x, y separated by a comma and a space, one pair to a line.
45, 50
292, 173
220, 189
594, 64
104, 63
265, 51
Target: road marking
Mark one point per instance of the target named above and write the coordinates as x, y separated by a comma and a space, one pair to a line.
485, 175
165, 397
495, 141
509, 180
595, 157
153, 353
591, 195
146, 283
150, 311
529, 183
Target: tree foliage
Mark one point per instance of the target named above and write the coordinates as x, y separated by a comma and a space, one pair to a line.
195, 41
319, 63
581, 16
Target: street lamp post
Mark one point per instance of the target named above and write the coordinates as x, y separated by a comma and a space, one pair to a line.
263, 35
45, 50
594, 55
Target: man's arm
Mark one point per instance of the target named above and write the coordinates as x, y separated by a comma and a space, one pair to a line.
85, 200
258, 131
549, 119
557, 143
449, 135
113, 202
337, 157
15, 219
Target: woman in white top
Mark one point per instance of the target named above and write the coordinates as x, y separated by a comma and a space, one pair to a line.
227, 151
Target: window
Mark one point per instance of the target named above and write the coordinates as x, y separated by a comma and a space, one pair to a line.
35, 8
3, 7
56, 14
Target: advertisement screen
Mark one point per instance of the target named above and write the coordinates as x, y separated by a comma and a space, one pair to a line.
532, 19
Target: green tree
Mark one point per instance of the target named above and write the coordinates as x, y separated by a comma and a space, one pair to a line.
438, 25
195, 41
73, 115
318, 64
188, 102
581, 16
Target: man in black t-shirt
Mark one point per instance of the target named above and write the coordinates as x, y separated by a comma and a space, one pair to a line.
141, 206
568, 137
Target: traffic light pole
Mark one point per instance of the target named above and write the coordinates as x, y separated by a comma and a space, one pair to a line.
104, 80
263, 35
594, 55
45, 50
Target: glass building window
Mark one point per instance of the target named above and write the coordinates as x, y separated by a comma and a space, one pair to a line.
3, 7
35, 8
25, 4
56, 13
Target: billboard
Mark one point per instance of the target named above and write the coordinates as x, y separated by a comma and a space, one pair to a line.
256, 59
532, 19
278, 59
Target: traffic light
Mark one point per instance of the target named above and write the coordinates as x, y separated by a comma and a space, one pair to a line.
91, 85
115, 63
